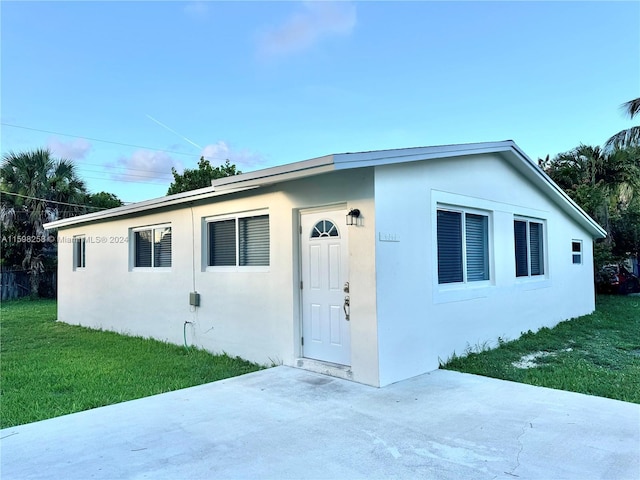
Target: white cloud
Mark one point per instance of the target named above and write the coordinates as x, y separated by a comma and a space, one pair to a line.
197, 9
73, 150
303, 29
218, 153
145, 165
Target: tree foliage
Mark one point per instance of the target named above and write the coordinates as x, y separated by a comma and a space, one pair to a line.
606, 184
192, 179
102, 201
630, 136
37, 188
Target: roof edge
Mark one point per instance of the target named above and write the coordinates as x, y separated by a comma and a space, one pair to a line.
276, 174
341, 161
146, 205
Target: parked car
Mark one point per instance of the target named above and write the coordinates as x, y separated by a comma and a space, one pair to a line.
617, 279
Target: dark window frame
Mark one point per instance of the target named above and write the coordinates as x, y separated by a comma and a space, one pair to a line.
79, 252
245, 241
577, 252
529, 247
152, 247
463, 244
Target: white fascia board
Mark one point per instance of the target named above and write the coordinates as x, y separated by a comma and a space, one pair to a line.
507, 148
221, 186
290, 171
539, 177
415, 154
144, 206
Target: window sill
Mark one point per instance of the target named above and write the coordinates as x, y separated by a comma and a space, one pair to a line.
151, 269
264, 269
532, 283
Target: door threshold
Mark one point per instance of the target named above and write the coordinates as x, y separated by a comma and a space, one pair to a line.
325, 368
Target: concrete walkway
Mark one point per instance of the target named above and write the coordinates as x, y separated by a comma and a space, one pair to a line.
288, 423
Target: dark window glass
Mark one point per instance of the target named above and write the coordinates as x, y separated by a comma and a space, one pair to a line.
143, 248
253, 238
222, 243
449, 247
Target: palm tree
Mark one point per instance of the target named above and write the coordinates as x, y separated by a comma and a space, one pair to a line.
35, 188
602, 182
630, 136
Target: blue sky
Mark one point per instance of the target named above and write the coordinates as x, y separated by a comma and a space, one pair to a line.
130, 89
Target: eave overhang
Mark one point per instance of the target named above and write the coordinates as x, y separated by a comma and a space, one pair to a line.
343, 161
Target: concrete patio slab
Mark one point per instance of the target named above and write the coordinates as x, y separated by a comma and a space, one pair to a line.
289, 423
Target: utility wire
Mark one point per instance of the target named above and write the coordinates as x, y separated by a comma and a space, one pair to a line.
105, 141
117, 167
129, 174
52, 201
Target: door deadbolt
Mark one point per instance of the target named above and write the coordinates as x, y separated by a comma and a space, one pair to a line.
345, 289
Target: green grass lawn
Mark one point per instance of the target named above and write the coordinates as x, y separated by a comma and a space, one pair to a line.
49, 368
598, 354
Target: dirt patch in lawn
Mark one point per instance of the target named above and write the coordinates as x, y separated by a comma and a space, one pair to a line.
529, 361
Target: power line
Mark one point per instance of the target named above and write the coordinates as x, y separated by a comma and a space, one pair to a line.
82, 165
105, 141
130, 174
93, 139
116, 180
52, 201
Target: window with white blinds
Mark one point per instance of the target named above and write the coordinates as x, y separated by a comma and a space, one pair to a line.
240, 241
529, 247
463, 246
152, 247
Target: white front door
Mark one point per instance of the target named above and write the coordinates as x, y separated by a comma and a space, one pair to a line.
324, 245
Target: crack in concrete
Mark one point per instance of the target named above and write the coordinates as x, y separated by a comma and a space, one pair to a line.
524, 430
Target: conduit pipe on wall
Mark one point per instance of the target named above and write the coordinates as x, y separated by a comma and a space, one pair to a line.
184, 332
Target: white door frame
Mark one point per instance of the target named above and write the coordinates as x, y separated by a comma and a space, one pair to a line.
324, 327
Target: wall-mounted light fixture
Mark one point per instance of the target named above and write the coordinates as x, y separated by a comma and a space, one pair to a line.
352, 216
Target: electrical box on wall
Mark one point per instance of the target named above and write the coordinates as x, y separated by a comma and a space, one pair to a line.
194, 299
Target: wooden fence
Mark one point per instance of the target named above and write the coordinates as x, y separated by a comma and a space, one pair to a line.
15, 284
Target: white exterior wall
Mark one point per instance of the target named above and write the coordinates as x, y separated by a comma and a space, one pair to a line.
421, 322
252, 314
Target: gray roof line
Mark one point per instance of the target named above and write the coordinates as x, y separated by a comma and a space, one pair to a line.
315, 166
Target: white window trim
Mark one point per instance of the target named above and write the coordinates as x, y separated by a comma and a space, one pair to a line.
465, 283
75, 239
132, 248
532, 278
232, 268
580, 253
456, 292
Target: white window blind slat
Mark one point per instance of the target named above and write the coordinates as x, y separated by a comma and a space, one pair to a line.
537, 247
162, 247
254, 240
477, 243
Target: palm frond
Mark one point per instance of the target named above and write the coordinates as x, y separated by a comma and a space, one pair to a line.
632, 107
626, 138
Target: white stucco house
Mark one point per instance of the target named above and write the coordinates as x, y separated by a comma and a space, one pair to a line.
445, 247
